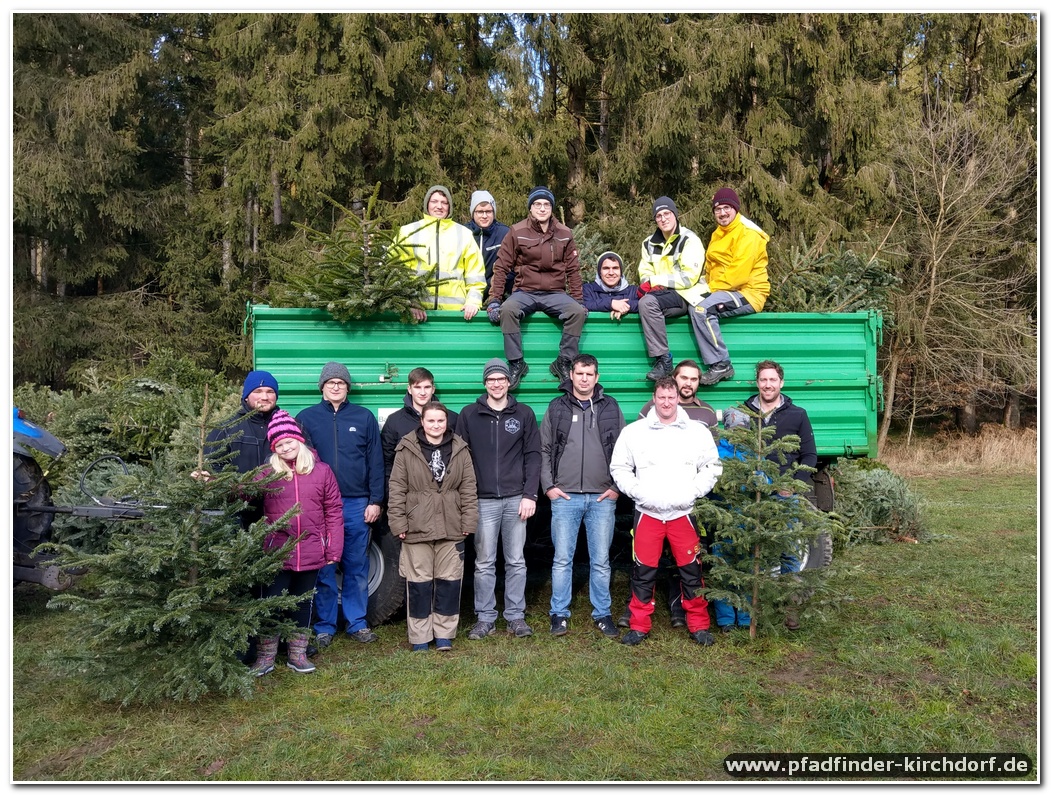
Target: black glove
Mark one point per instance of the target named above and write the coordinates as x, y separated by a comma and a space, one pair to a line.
493, 311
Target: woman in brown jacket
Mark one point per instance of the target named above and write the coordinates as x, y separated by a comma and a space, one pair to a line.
432, 506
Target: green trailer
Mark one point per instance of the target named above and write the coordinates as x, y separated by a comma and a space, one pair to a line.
829, 361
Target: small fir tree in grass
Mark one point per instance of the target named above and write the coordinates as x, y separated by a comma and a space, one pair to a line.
169, 604
356, 271
755, 526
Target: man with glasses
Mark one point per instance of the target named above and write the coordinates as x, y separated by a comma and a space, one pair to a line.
488, 233
671, 273
504, 440
347, 438
543, 254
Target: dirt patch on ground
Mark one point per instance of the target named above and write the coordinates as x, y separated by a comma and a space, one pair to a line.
50, 768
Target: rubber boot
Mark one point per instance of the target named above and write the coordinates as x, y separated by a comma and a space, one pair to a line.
297, 654
266, 651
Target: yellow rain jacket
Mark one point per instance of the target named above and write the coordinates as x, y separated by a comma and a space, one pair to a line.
736, 261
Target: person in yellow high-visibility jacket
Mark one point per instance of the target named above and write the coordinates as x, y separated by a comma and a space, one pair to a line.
445, 252
735, 269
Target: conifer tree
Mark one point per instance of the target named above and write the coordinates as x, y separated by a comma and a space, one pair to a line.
754, 526
355, 271
168, 605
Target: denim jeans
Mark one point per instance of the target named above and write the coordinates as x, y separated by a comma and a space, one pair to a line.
566, 516
498, 520
355, 562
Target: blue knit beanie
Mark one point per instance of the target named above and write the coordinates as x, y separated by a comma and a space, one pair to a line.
256, 379
540, 192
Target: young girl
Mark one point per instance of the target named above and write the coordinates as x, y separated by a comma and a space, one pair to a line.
433, 505
318, 528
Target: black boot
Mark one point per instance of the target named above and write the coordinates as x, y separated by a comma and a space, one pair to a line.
518, 369
662, 368
719, 371
561, 368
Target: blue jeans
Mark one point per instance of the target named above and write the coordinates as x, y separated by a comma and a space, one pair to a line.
498, 519
355, 562
566, 516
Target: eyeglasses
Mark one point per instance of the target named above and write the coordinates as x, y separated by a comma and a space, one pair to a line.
542, 205
496, 379
335, 385
483, 212
664, 214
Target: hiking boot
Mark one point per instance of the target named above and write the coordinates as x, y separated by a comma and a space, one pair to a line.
264, 658
297, 657
363, 635
634, 638
561, 368
625, 618
519, 628
678, 620
726, 629
719, 371
607, 627
443, 644
703, 637
324, 640
517, 369
662, 367
421, 646
559, 625
480, 630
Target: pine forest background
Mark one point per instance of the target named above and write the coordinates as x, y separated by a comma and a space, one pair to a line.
162, 164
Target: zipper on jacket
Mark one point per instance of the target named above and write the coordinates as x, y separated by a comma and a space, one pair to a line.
299, 520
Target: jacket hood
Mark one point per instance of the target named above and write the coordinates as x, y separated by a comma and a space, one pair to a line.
621, 285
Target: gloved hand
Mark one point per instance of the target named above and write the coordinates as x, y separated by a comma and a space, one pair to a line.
493, 310
643, 289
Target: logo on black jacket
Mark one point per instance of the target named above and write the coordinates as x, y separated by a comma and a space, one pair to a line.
512, 425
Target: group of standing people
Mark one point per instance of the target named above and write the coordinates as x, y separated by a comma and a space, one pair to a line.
440, 477
534, 266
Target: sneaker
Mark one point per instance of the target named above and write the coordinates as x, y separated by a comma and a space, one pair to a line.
420, 646
312, 650
719, 371
678, 620
519, 628
606, 625
559, 625
634, 638
726, 629
443, 644
518, 369
625, 618
561, 368
662, 368
324, 640
364, 635
703, 637
480, 630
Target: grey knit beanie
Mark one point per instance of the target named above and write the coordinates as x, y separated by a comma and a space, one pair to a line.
333, 370
481, 197
495, 367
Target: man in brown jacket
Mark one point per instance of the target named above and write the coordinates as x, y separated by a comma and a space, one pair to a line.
543, 254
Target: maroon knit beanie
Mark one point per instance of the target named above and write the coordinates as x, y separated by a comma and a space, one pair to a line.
282, 426
726, 196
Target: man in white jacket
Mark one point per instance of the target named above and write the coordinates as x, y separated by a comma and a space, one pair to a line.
665, 462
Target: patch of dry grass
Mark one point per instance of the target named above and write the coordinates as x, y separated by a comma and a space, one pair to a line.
995, 449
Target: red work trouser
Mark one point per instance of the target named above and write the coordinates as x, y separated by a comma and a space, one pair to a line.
648, 540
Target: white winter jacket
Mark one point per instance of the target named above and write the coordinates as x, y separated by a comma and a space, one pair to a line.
665, 468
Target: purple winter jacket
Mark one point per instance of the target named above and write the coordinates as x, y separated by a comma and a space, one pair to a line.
319, 522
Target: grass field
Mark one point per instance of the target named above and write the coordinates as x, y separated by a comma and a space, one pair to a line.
933, 648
